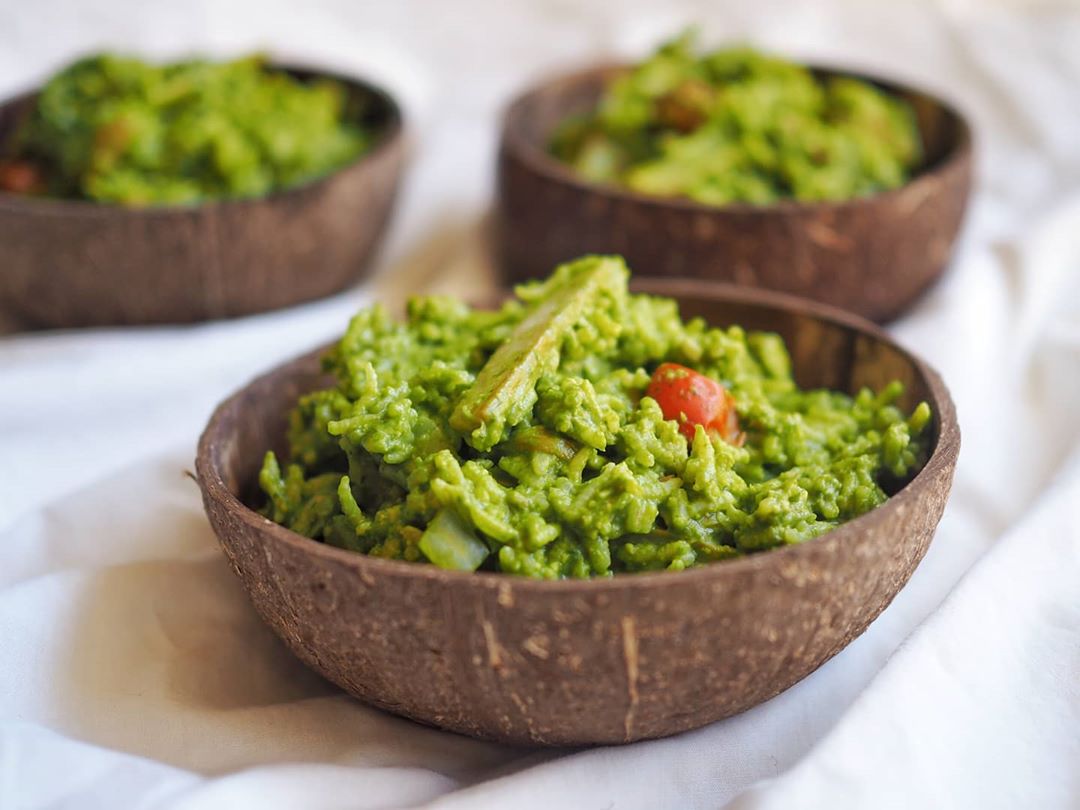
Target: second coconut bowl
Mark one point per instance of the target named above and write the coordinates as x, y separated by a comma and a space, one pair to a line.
870, 255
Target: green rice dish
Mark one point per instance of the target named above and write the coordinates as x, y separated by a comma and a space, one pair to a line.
736, 125
578, 431
119, 130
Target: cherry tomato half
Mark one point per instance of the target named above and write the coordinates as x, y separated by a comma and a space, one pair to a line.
19, 176
693, 399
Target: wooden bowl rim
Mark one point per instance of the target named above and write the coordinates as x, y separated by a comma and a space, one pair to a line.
941, 461
389, 136
540, 162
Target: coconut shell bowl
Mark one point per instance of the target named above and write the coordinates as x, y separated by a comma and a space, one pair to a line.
873, 256
71, 263
577, 662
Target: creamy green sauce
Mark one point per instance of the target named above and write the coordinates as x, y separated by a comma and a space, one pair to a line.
521, 440
119, 130
736, 125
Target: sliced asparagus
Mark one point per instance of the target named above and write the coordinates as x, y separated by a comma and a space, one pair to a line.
504, 391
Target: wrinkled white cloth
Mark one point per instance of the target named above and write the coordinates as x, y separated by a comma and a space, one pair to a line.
134, 673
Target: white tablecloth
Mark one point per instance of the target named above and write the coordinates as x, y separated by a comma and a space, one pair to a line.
133, 672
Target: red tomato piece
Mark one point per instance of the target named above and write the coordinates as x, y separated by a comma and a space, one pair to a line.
693, 399
19, 176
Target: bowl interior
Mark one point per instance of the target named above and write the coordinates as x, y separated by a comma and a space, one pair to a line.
366, 104
829, 349
534, 117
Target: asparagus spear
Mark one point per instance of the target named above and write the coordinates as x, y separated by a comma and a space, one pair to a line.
504, 391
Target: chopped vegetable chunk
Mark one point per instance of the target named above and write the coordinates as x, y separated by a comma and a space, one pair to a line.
450, 543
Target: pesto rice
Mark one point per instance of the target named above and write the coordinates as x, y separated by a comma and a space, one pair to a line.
737, 125
578, 431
